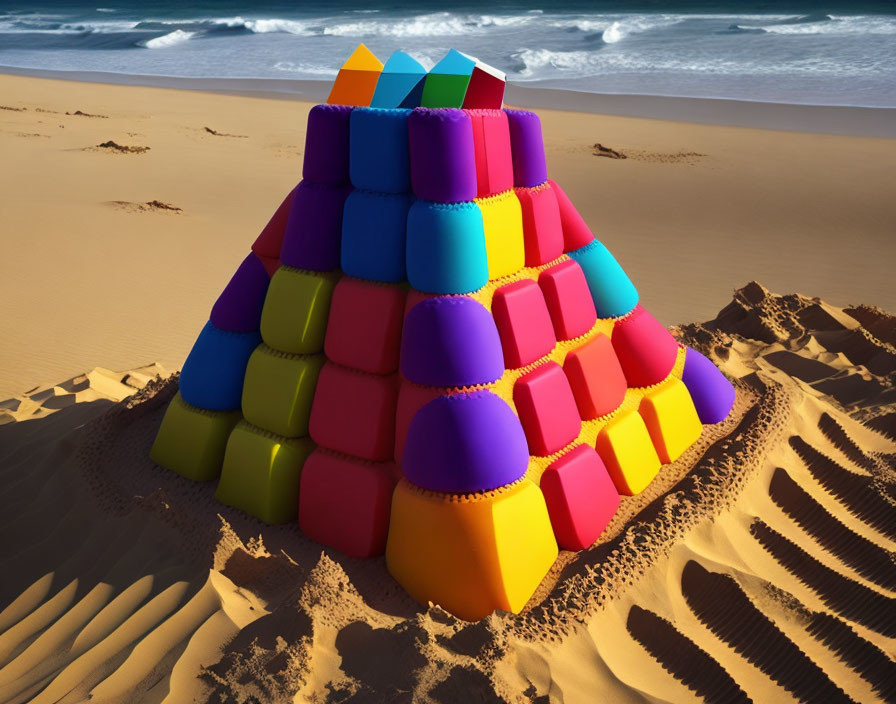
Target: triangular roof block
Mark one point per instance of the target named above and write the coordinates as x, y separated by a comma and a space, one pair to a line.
486, 88
356, 81
400, 84
446, 84
462, 380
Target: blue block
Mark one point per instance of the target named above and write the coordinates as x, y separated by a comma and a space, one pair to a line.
400, 84
455, 63
612, 290
374, 227
379, 159
212, 376
446, 247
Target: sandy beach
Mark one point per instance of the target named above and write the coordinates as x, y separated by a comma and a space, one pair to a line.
757, 567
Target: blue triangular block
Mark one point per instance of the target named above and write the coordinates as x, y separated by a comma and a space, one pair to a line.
455, 63
400, 84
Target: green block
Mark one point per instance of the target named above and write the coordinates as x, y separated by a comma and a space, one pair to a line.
294, 317
191, 440
278, 390
443, 90
261, 473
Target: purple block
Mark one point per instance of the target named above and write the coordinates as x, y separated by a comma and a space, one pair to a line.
449, 342
327, 145
712, 394
313, 236
238, 308
443, 162
527, 147
465, 443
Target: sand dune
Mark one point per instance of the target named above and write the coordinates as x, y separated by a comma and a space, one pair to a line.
759, 567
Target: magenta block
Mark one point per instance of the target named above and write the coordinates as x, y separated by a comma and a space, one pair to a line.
313, 236
646, 350
467, 442
327, 145
569, 299
580, 496
547, 409
450, 341
443, 165
524, 323
712, 394
238, 308
529, 165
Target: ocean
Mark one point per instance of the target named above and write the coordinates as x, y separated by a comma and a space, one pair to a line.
806, 53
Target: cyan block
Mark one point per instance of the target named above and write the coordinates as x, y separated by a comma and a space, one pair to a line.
374, 227
612, 290
212, 376
400, 84
446, 247
379, 158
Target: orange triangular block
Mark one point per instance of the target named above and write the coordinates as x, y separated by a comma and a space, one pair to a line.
357, 79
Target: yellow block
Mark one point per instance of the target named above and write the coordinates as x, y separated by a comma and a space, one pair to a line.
473, 553
296, 308
278, 390
625, 446
191, 440
262, 472
356, 80
671, 419
502, 220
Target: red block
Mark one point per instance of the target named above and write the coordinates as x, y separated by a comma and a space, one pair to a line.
491, 146
547, 409
269, 242
580, 496
542, 232
364, 327
569, 299
271, 264
646, 350
576, 233
344, 503
411, 398
354, 412
596, 377
485, 90
524, 323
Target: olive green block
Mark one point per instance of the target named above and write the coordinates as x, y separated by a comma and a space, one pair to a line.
278, 390
294, 317
261, 473
191, 440
442, 90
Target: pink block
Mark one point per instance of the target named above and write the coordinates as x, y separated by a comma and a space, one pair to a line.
547, 409
364, 327
580, 496
646, 350
576, 233
269, 242
569, 299
524, 323
491, 144
345, 503
354, 412
542, 232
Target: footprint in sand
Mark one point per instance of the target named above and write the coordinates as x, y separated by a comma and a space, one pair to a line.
115, 148
151, 206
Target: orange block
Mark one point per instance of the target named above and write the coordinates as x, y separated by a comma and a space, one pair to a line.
625, 446
672, 420
357, 79
473, 553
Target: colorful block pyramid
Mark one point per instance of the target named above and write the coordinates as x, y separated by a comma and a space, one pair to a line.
445, 366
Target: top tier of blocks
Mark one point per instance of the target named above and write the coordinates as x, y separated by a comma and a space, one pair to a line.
457, 81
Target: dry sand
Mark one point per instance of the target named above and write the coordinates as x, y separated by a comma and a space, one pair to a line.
93, 275
758, 567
